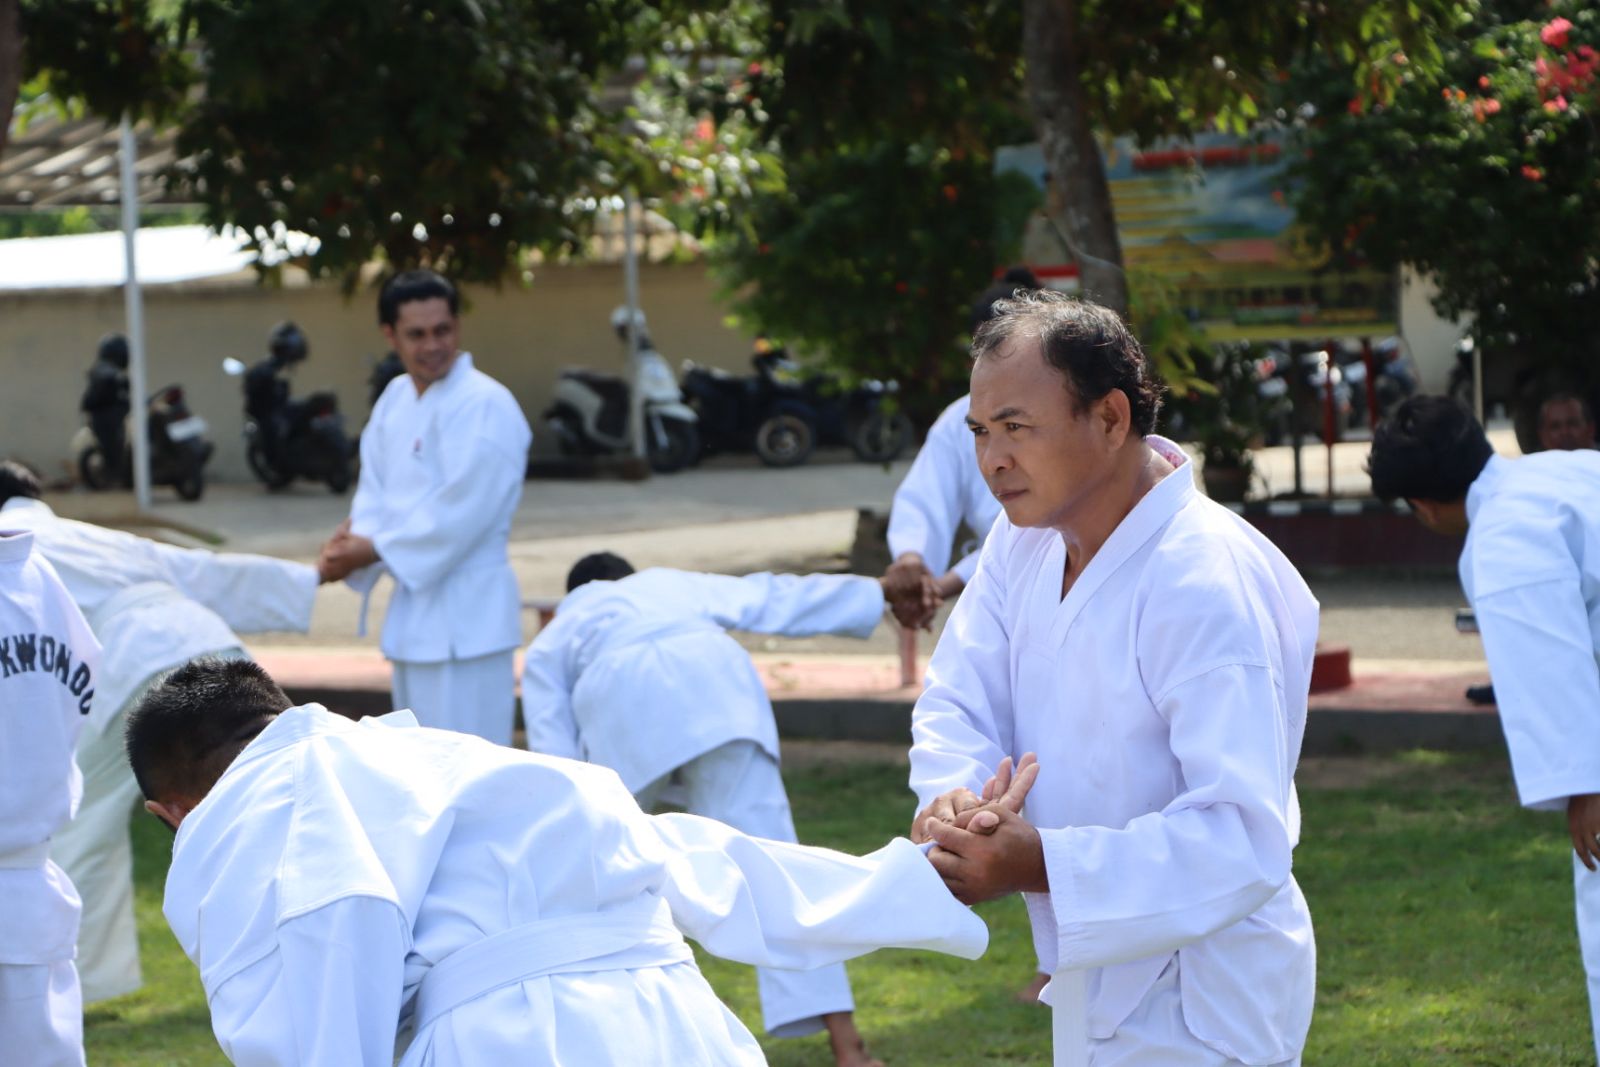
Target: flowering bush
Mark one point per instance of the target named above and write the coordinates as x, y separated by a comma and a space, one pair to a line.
1484, 173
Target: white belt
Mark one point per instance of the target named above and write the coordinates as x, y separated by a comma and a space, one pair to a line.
639, 934
27, 858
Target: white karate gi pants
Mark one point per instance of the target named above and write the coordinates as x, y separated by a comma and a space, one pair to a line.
738, 784
41, 1015
1155, 1035
472, 696
1586, 898
96, 851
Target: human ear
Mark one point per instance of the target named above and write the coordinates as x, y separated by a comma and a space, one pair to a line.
170, 813
1115, 418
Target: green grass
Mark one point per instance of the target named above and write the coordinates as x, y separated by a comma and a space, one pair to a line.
1443, 916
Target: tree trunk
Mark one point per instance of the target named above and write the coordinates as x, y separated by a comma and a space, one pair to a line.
10, 65
1081, 204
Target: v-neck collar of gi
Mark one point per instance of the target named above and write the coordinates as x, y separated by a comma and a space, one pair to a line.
446, 385
1148, 516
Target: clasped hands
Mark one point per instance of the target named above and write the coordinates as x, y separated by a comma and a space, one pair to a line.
983, 847
344, 553
913, 593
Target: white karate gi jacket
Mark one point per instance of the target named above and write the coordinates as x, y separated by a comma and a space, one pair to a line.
441, 475
639, 675
324, 884
49, 666
943, 488
1166, 699
117, 580
1531, 570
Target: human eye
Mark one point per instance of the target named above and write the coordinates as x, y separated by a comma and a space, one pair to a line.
977, 431
1013, 427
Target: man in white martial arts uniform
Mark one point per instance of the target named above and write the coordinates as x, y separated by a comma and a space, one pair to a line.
1155, 651
49, 665
942, 490
1531, 570
637, 673
153, 607
442, 465
339, 884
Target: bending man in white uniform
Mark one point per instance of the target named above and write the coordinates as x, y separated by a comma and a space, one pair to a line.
153, 607
442, 465
49, 666
1531, 570
1155, 651
637, 673
339, 884
942, 490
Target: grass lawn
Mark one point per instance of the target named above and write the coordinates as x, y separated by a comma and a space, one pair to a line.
1443, 917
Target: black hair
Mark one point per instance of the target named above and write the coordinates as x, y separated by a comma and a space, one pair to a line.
411, 285
1431, 448
1089, 344
598, 567
113, 349
17, 480
287, 343
190, 726
1021, 277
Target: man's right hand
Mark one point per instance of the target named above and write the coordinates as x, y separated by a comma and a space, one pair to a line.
911, 591
1006, 788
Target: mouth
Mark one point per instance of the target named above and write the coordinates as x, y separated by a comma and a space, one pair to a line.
1004, 495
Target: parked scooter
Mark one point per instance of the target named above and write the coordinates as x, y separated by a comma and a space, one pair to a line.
1294, 387
590, 412
1394, 379
284, 438
179, 449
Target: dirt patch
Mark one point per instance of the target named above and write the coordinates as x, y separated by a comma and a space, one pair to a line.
801, 755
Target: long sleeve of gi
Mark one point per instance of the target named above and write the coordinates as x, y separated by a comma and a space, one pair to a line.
1547, 684
552, 728
775, 904
447, 523
1211, 857
795, 605
962, 726
252, 594
330, 993
927, 506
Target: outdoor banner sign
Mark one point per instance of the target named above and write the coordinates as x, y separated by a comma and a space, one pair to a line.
1210, 217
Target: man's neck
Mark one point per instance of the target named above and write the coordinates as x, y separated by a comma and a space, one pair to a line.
1137, 471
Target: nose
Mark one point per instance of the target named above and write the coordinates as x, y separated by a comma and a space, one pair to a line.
993, 456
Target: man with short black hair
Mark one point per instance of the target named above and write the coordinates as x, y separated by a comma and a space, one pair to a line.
442, 464
1531, 570
1155, 652
349, 888
637, 673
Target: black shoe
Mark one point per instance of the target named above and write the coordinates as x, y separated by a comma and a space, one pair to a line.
1480, 694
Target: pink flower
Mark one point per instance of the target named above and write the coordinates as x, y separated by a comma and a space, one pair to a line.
1483, 81
1558, 104
1533, 174
1491, 106
1554, 33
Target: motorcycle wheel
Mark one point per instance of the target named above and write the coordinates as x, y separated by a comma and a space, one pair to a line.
339, 479
881, 438
785, 440
192, 485
263, 469
92, 469
679, 449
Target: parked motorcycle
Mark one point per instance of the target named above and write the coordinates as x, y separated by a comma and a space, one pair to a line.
782, 414
179, 449
308, 440
1394, 379
590, 412
1294, 384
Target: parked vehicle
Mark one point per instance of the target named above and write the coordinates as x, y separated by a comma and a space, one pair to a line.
1394, 379
179, 449
288, 439
590, 413
1294, 387
782, 414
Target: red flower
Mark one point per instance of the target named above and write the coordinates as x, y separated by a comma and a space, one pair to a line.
1356, 107
1483, 82
1554, 33
1533, 174
901, 287
950, 193
1555, 105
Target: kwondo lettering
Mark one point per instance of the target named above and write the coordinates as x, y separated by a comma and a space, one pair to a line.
36, 653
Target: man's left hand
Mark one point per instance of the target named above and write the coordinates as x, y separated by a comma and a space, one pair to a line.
1583, 823
983, 866
344, 554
